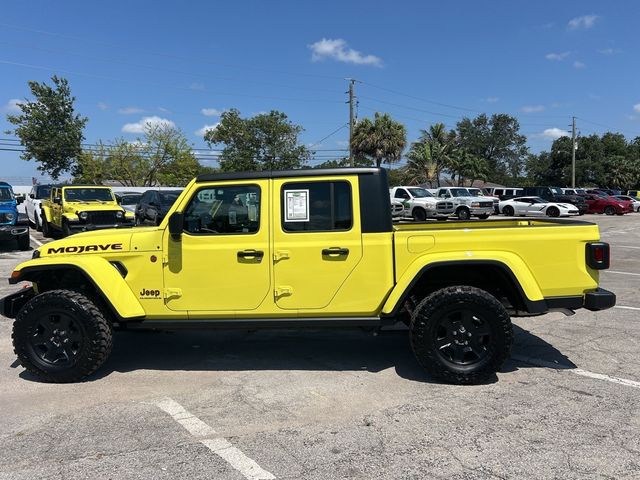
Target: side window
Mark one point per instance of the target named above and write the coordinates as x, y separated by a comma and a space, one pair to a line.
231, 209
146, 197
401, 193
498, 191
316, 206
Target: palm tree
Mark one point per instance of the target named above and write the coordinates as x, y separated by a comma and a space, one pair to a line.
438, 145
382, 140
420, 166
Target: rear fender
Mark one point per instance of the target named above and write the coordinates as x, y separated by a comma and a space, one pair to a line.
513, 265
98, 272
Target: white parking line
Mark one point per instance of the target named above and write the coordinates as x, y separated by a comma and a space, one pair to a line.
624, 307
220, 446
626, 246
36, 241
578, 371
624, 273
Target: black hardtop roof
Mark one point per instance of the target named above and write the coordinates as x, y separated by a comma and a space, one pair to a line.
308, 172
77, 185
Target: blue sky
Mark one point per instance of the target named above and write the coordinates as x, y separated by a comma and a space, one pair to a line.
422, 62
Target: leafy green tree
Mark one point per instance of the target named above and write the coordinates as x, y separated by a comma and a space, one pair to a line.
431, 153
381, 141
266, 141
465, 166
48, 127
421, 168
497, 140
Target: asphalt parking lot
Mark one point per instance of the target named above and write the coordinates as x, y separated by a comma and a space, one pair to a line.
339, 404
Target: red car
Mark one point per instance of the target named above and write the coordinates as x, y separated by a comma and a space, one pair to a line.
608, 205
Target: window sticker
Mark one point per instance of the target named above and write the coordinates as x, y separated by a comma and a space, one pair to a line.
297, 205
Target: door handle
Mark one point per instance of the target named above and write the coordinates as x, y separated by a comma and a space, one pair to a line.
250, 254
335, 251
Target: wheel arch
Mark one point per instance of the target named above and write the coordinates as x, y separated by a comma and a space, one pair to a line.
494, 276
103, 279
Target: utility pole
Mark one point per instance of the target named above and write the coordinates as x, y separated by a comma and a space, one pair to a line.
352, 81
573, 152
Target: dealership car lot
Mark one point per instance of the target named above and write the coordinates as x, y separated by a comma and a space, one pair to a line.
339, 404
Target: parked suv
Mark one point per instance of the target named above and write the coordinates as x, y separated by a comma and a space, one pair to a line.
465, 204
33, 204
154, 205
10, 226
555, 194
420, 204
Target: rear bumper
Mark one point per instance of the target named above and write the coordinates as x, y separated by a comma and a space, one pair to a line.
598, 299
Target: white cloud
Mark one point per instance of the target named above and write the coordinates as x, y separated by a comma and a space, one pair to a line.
206, 128
554, 133
12, 106
211, 112
145, 122
578, 64
533, 108
558, 57
196, 86
608, 51
636, 107
102, 106
163, 110
337, 49
585, 21
130, 110
491, 99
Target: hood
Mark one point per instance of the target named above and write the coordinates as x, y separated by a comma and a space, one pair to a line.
90, 206
430, 200
99, 241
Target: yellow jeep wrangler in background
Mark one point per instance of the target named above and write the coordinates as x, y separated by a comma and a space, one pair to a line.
79, 208
303, 248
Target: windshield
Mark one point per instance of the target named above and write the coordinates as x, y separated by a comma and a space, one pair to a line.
43, 192
88, 195
130, 199
556, 190
420, 193
5, 194
460, 192
167, 198
475, 192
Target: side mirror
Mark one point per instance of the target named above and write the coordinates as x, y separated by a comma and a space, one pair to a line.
176, 225
31, 195
19, 200
57, 200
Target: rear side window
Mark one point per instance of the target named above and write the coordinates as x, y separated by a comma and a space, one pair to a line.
316, 206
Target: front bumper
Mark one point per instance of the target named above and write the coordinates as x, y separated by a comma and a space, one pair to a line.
12, 231
475, 211
89, 227
11, 304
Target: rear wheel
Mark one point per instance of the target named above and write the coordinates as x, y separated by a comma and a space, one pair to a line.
508, 211
463, 213
419, 214
461, 334
609, 210
553, 212
61, 336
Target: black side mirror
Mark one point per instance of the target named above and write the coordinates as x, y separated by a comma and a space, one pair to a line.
31, 195
176, 225
19, 200
57, 200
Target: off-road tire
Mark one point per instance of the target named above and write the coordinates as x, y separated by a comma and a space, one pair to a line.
419, 214
46, 229
463, 213
553, 212
609, 210
479, 306
66, 231
91, 326
24, 242
483, 217
508, 211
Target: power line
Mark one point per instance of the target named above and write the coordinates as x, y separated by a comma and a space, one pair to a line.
331, 134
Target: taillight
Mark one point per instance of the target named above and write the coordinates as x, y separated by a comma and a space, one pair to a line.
598, 255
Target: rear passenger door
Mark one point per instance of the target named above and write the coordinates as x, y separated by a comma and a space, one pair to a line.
317, 239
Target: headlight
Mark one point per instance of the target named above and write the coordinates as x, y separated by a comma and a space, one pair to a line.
119, 214
475, 204
83, 215
10, 216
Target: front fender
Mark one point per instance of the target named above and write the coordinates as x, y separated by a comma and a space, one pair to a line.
514, 264
46, 212
104, 277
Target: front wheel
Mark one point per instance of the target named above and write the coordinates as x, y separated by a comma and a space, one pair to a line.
419, 214
66, 231
61, 336
508, 211
461, 334
46, 229
553, 212
610, 210
463, 214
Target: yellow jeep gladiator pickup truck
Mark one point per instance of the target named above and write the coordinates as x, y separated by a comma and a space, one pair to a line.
300, 248
79, 208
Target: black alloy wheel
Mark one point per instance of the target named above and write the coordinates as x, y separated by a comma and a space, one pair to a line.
609, 210
508, 211
553, 212
56, 340
461, 334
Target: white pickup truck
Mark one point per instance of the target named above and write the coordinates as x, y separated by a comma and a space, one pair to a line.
465, 204
420, 204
